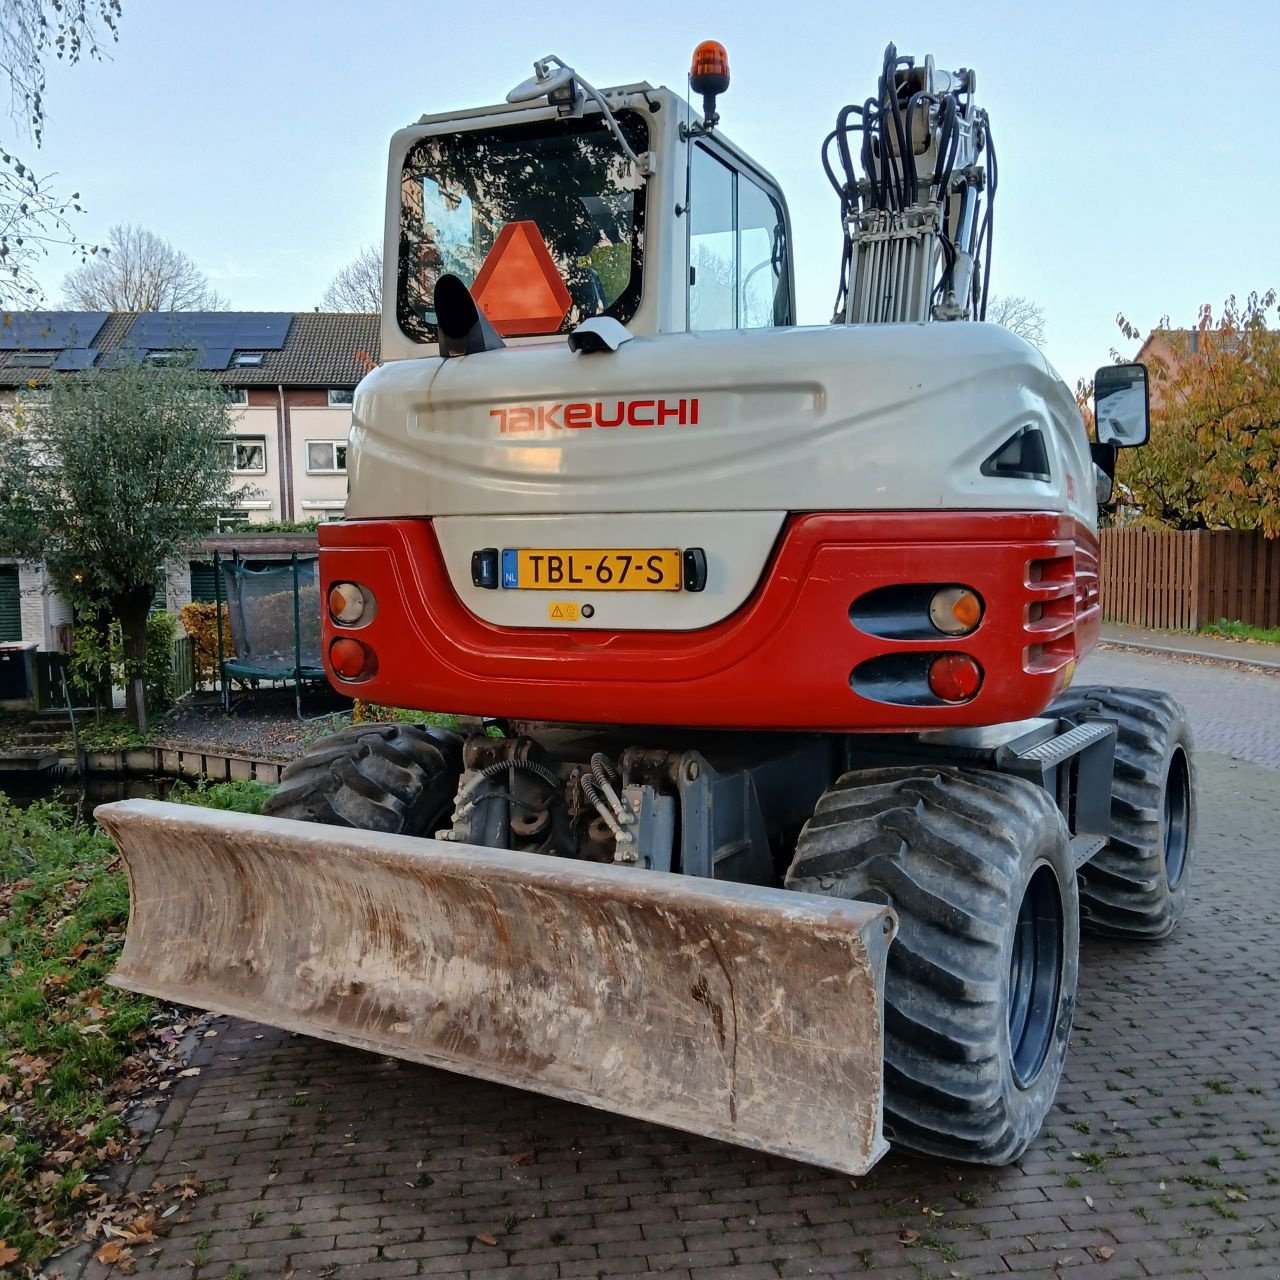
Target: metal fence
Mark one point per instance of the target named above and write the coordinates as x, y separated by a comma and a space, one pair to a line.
1182, 580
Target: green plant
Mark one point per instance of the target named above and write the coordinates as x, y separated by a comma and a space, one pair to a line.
68, 1037
1241, 631
241, 796
373, 713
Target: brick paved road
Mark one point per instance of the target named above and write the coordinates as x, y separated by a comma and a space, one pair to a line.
1161, 1158
1233, 710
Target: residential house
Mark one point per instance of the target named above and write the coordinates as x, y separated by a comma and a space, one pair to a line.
292, 376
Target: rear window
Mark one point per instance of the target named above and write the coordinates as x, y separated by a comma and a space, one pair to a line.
543, 222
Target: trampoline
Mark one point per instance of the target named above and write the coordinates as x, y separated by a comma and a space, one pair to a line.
273, 611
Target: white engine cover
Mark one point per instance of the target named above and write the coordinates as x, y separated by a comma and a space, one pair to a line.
839, 418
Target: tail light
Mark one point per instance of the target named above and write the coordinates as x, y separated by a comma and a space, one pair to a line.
955, 677
352, 659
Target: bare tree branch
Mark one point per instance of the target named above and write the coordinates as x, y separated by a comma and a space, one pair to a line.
142, 273
1019, 315
358, 286
32, 216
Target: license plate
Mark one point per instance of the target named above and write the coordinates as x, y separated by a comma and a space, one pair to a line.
587, 569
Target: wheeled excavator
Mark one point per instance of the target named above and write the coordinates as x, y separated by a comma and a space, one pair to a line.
778, 815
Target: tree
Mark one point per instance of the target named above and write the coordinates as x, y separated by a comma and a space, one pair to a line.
108, 474
1213, 460
142, 273
33, 217
358, 286
1019, 315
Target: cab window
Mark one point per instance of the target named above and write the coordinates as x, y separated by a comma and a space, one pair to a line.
737, 249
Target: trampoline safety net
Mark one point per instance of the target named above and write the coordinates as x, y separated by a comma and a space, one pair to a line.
274, 615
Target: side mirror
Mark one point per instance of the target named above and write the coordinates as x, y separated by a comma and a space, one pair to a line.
1122, 405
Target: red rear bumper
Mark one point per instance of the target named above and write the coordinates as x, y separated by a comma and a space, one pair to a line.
782, 661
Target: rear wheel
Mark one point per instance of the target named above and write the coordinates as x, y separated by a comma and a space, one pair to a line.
1136, 887
397, 778
981, 981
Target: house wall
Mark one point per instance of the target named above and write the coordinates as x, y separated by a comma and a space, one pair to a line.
317, 495
262, 420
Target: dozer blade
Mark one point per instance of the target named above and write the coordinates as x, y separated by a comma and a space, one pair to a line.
750, 1015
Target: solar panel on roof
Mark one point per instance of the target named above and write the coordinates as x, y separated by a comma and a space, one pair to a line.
211, 330
214, 358
75, 358
49, 330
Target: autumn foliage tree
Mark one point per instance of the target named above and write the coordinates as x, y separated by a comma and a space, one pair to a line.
1213, 460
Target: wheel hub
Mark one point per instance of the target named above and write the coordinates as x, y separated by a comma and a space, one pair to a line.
1035, 975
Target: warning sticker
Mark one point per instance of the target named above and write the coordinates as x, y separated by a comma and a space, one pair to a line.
562, 611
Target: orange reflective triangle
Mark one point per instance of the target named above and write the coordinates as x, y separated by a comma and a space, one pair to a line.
519, 287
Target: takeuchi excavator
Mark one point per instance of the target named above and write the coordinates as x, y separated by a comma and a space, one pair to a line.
773, 813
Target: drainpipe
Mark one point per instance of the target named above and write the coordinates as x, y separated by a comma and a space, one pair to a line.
286, 457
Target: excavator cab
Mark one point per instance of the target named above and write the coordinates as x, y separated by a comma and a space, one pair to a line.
621, 205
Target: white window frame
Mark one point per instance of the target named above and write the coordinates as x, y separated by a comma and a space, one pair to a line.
233, 441
346, 397
238, 395
334, 470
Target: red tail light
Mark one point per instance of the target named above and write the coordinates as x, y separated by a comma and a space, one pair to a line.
955, 677
352, 659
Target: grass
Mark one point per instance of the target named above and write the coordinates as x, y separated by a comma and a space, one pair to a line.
1241, 631
73, 1050
239, 797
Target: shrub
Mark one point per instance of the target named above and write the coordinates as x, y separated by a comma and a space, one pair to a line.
199, 620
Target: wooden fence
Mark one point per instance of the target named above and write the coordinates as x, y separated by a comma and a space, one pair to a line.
1181, 581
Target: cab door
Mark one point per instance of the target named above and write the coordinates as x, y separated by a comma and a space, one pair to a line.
739, 244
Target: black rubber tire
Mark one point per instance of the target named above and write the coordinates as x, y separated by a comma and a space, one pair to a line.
1136, 887
954, 852
397, 778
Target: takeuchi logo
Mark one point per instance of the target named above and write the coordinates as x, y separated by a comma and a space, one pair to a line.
587, 414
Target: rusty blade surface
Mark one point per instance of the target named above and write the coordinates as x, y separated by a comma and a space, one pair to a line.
750, 1015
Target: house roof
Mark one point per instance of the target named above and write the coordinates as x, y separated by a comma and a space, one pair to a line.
317, 349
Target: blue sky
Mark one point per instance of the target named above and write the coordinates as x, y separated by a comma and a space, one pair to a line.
1137, 157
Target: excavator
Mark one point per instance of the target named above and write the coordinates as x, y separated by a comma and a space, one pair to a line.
774, 814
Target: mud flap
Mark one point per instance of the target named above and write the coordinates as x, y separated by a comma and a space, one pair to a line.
750, 1015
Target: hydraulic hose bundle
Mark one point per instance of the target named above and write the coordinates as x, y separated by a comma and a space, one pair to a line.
915, 228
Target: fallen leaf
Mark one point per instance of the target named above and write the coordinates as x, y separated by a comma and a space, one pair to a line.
8, 1254
190, 1071
114, 1254
1234, 1193
522, 1157
1089, 1201
1106, 1252
908, 1236
485, 1238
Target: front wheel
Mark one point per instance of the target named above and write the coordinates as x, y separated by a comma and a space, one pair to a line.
980, 985
397, 778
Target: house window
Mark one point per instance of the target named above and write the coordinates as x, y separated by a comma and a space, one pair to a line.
246, 453
326, 457
237, 395
341, 397
231, 520
169, 357
248, 359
